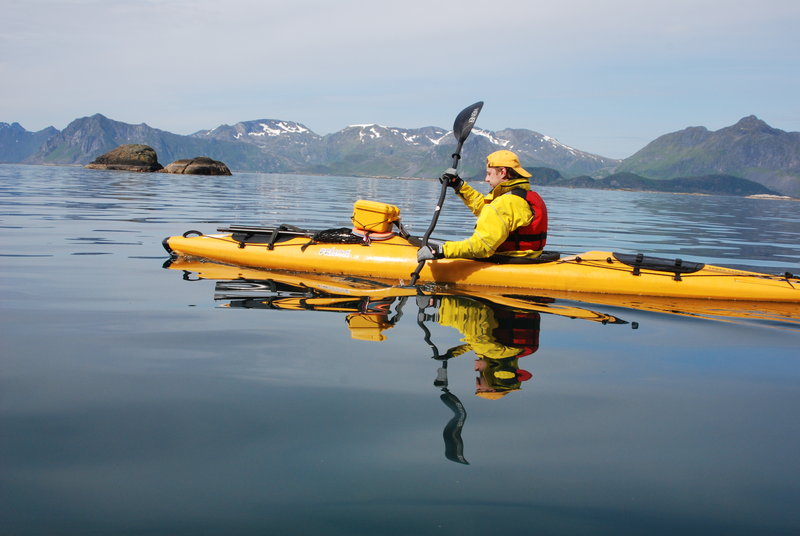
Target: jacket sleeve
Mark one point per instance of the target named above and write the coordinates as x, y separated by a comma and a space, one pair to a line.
472, 198
495, 221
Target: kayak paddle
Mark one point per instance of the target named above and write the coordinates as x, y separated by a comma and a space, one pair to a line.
462, 126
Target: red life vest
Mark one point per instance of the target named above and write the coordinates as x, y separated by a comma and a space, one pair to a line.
534, 235
518, 330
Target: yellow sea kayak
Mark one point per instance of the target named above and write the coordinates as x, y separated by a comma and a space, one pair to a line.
393, 259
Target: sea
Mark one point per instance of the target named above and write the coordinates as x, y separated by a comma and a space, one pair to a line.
141, 399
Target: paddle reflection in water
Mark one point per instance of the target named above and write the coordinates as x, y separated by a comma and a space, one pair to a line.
498, 329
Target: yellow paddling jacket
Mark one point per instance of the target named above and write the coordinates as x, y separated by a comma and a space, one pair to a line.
477, 323
498, 337
498, 215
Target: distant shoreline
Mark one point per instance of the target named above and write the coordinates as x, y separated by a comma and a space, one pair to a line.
383, 177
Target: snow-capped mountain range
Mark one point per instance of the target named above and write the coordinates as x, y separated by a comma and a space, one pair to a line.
750, 149
411, 151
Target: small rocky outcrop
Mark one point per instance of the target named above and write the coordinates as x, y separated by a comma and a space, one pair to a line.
128, 157
199, 165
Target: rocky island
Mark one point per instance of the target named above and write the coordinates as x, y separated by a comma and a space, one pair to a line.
128, 157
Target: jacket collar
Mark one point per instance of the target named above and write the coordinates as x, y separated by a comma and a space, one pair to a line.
506, 186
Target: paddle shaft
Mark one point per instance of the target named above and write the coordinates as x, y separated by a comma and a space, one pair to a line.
440, 203
436, 212
461, 129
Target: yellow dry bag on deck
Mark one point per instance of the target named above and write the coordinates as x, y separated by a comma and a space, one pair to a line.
374, 217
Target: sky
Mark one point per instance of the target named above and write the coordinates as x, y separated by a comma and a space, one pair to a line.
603, 77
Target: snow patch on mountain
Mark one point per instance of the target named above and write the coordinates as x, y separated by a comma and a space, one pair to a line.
557, 144
491, 137
408, 137
447, 136
278, 128
369, 131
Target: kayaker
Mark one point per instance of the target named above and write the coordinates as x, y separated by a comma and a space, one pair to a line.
512, 218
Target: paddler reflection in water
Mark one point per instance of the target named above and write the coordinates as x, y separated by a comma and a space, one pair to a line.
512, 218
499, 337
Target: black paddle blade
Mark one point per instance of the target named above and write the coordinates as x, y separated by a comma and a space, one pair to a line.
466, 120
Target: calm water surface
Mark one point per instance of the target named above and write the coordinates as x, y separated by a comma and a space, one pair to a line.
134, 402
